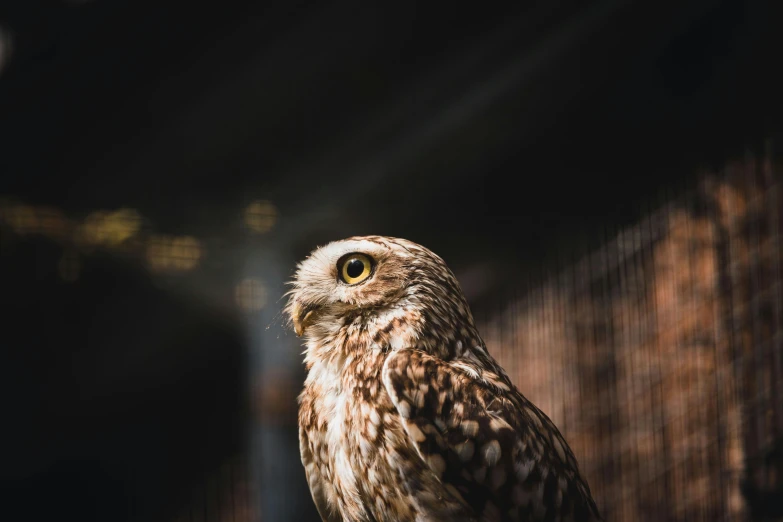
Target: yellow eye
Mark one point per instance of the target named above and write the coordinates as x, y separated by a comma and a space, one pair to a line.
354, 268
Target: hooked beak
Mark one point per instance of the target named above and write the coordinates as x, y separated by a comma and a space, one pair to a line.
303, 316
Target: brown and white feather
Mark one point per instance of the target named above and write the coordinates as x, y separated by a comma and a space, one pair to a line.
404, 415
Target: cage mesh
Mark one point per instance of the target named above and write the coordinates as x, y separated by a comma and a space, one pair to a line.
659, 354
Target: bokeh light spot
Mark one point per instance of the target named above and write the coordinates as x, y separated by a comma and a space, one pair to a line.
110, 228
250, 295
179, 253
260, 216
22, 219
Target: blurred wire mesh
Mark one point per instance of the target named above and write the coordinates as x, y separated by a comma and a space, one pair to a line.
659, 354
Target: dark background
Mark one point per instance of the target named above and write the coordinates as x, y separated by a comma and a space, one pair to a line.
504, 138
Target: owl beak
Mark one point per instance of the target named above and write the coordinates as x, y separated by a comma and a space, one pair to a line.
303, 316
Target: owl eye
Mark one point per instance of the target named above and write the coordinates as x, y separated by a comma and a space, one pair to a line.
354, 268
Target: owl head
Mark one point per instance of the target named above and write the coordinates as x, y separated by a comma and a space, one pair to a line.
364, 281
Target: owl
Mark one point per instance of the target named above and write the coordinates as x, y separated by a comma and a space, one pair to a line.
405, 416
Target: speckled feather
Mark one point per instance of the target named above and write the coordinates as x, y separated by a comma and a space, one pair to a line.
405, 416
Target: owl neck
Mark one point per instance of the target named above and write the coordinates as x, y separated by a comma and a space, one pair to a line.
375, 333
362, 334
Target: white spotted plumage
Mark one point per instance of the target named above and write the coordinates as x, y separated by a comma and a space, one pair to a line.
404, 415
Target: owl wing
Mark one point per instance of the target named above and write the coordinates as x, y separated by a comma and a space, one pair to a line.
492, 449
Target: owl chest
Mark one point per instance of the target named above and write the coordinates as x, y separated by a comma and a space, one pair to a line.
356, 424
356, 439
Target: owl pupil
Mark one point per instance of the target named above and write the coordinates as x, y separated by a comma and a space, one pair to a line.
354, 268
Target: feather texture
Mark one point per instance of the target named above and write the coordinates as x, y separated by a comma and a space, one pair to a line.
404, 415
